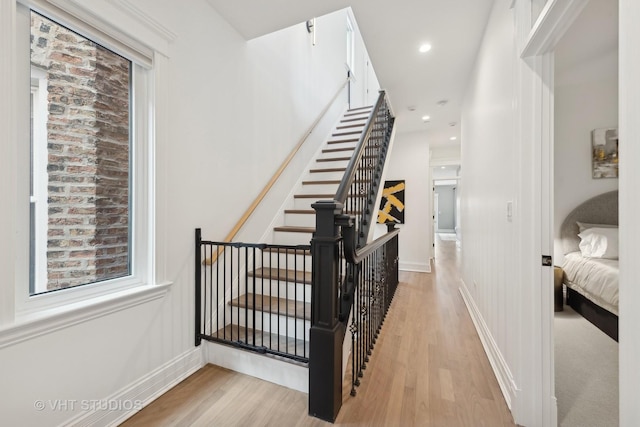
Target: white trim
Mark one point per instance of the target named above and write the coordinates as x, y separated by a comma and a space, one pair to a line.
266, 368
419, 267
556, 17
498, 363
90, 23
47, 321
140, 393
144, 19
629, 208
8, 151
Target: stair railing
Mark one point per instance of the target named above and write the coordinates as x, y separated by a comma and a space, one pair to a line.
347, 273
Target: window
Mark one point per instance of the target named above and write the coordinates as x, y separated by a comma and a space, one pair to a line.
80, 160
350, 45
84, 151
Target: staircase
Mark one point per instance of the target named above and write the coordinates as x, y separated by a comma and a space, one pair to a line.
268, 310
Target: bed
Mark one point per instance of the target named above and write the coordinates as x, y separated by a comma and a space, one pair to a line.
592, 280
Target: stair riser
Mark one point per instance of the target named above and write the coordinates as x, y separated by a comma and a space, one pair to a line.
300, 220
273, 323
331, 164
288, 238
317, 176
351, 145
291, 291
319, 189
273, 287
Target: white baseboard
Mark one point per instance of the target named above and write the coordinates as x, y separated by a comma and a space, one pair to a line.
498, 364
123, 404
420, 267
276, 371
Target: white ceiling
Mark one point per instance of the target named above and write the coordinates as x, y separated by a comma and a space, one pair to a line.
392, 32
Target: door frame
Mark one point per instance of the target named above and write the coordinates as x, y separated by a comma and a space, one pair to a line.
536, 44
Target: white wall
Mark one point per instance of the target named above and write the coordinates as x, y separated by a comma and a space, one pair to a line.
410, 162
586, 98
490, 180
234, 110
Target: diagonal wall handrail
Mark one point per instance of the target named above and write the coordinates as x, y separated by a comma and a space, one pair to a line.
247, 214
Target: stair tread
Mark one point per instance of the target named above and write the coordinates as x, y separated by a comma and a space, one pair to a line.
294, 229
321, 182
311, 212
336, 150
355, 132
327, 170
272, 304
333, 159
288, 251
351, 125
343, 141
294, 276
364, 107
355, 119
270, 340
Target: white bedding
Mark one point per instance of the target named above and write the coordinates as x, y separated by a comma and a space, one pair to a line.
595, 278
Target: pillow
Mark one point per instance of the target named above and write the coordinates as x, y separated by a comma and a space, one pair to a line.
585, 225
599, 242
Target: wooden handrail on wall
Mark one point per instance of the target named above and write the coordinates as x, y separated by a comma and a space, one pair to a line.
236, 228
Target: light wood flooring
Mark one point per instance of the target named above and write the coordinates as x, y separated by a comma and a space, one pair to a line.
428, 369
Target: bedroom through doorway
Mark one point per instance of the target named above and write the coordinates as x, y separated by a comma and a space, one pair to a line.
584, 147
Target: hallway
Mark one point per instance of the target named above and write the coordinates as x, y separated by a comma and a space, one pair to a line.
428, 369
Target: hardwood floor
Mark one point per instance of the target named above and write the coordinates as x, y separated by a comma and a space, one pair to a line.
428, 369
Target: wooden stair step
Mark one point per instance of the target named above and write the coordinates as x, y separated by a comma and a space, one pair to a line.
288, 251
294, 229
333, 159
293, 276
356, 119
355, 132
272, 304
313, 196
270, 340
312, 212
349, 126
327, 170
320, 182
366, 107
343, 141
335, 150
300, 211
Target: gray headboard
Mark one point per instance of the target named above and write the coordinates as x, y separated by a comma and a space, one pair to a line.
602, 209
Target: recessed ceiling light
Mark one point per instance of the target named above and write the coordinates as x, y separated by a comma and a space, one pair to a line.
453, 138
425, 48
411, 108
442, 102
443, 167
425, 118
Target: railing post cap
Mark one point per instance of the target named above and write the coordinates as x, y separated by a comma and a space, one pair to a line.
327, 205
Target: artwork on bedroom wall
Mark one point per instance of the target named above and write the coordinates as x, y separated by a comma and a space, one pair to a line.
392, 203
604, 146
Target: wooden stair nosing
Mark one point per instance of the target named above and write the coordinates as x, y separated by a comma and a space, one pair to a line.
335, 150
294, 229
349, 126
333, 159
312, 212
365, 107
344, 141
272, 305
320, 182
357, 132
354, 119
292, 276
288, 251
327, 170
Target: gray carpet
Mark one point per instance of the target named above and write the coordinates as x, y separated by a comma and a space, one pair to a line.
586, 365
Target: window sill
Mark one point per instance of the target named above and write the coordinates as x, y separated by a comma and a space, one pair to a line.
51, 320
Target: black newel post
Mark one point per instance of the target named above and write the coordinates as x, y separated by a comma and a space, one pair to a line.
198, 292
327, 333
